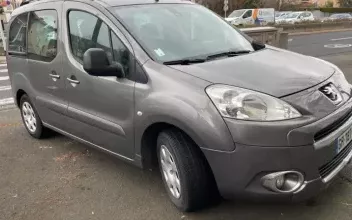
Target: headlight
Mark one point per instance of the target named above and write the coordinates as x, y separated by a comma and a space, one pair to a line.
244, 104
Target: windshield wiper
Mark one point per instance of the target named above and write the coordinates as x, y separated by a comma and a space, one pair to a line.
184, 61
228, 54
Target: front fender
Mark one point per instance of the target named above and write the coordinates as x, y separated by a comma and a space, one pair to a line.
195, 114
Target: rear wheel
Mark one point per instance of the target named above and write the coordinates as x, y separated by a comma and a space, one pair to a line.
31, 119
185, 173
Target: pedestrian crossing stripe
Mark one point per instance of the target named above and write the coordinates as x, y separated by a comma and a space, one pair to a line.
3, 71
4, 88
2, 78
7, 101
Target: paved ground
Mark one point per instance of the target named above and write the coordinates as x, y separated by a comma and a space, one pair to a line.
322, 44
58, 178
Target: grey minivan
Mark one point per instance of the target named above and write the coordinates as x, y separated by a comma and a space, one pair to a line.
169, 83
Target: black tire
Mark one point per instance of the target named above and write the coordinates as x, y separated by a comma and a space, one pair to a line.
40, 131
196, 181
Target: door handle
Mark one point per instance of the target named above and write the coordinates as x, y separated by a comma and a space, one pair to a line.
54, 76
73, 81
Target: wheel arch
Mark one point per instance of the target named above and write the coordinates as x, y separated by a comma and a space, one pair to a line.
148, 146
149, 137
147, 133
19, 94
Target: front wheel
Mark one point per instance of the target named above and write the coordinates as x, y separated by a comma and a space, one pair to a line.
185, 173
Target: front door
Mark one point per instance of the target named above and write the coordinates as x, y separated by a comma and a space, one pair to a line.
46, 74
101, 108
247, 17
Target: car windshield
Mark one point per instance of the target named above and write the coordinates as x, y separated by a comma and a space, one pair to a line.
237, 13
292, 15
180, 31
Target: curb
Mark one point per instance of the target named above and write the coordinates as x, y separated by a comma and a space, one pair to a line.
318, 32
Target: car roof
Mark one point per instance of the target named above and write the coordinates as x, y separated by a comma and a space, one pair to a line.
124, 2
105, 3
142, 2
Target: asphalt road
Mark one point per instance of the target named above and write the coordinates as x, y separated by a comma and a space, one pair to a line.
58, 178
322, 44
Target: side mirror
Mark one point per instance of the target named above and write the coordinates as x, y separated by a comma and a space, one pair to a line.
96, 63
258, 45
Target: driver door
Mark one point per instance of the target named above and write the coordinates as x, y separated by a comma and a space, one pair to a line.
100, 109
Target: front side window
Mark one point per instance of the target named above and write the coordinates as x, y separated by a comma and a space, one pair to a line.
307, 14
248, 14
17, 34
180, 31
87, 31
42, 35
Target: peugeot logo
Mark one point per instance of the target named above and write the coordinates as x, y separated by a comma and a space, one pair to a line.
332, 93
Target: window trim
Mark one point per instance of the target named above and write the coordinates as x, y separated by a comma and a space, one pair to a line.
57, 36
17, 53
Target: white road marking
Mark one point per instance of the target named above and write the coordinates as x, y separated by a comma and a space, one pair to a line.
289, 40
7, 101
2, 78
4, 88
344, 38
3, 71
337, 46
3, 65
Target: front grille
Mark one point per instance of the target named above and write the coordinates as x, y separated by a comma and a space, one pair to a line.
332, 127
327, 168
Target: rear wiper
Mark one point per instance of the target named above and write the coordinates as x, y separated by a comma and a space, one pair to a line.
184, 61
228, 54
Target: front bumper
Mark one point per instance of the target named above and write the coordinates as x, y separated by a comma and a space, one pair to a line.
238, 174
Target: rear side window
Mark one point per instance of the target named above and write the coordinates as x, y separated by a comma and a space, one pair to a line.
17, 34
42, 35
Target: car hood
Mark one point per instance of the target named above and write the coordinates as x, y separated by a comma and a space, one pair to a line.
272, 71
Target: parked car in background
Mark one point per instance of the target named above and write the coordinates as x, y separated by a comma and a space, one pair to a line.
257, 16
282, 14
334, 17
296, 17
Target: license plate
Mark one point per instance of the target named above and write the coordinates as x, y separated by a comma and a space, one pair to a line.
344, 140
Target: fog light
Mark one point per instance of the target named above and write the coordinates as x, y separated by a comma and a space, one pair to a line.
283, 182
